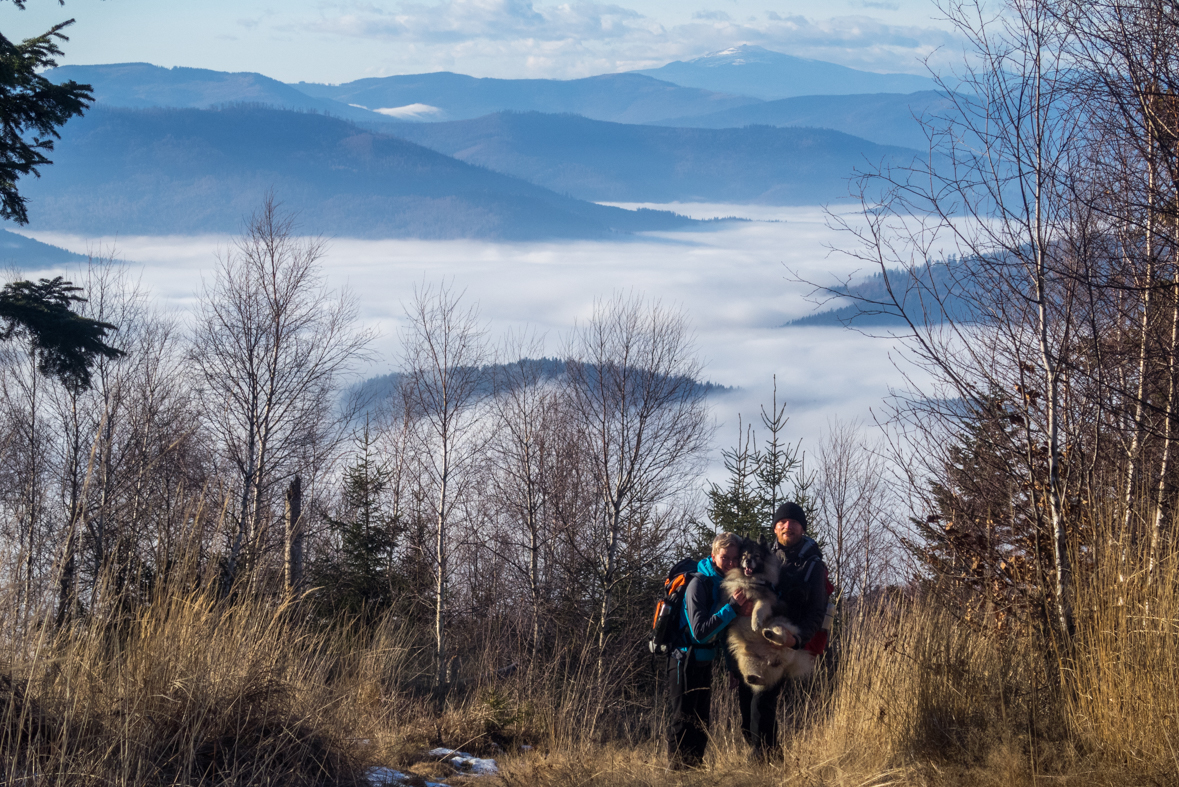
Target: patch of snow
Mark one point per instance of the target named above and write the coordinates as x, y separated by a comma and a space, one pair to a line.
467, 763
410, 111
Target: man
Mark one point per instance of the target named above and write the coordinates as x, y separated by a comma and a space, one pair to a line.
689, 678
802, 586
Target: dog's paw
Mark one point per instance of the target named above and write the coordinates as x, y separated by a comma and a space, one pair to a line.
775, 636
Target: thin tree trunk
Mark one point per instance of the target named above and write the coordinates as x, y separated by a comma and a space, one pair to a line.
293, 536
1063, 585
1156, 530
608, 583
440, 579
534, 572
1127, 534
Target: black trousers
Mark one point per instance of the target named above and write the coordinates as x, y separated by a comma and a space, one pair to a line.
759, 717
689, 689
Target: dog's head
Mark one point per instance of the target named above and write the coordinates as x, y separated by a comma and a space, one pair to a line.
753, 558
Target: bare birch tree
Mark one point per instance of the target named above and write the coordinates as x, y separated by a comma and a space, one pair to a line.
444, 350
852, 497
634, 389
271, 347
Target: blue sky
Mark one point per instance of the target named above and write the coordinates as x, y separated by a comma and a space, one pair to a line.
321, 41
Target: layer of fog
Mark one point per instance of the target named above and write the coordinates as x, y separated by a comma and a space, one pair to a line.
734, 281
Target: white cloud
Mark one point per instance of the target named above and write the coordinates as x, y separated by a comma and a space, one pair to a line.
733, 283
409, 111
574, 39
716, 16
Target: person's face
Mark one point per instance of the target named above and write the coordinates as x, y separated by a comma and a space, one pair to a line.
726, 558
789, 532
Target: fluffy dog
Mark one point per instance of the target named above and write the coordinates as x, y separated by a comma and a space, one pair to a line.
756, 642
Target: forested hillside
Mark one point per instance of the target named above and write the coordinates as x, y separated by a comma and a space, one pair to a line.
883, 118
142, 85
165, 171
621, 98
613, 162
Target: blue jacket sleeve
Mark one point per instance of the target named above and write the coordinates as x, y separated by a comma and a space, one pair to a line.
703, 623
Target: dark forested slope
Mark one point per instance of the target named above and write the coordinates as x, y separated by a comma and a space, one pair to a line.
595, 160
185, 171
885, 118
142, 85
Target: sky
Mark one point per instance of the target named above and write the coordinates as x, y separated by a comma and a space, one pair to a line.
320, 41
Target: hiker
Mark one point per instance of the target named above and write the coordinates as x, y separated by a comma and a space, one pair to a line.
705, 615
802, 586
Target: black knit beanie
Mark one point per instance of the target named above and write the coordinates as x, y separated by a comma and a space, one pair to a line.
790, 511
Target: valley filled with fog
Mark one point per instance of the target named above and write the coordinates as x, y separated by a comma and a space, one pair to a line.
736, 281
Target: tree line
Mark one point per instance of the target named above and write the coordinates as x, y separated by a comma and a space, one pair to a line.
484, 491
1033, 258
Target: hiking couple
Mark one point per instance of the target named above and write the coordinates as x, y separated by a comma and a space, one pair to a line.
706, 615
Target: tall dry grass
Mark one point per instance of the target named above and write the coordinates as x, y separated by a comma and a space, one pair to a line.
193, 690
916, 695
1125, 673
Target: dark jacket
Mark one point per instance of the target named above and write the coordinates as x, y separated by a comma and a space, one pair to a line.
704, 616
802, 586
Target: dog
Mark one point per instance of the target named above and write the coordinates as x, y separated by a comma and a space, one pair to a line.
757, 641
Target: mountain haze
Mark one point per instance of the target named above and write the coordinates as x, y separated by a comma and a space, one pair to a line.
622, 98
17, 251
753, 71
884, 118
613, 162
184, 171
141, 85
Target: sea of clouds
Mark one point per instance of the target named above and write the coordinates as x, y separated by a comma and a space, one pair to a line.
739, 283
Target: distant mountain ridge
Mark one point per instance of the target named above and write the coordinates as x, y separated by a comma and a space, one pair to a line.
928, 295
621, 98
762, 73
613, 162
20, 252
183, 171
376, 390
142, 85
884, 118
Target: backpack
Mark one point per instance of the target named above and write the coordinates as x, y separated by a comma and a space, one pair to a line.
665, 633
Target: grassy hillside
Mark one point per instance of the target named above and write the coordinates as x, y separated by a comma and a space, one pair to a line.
189, 690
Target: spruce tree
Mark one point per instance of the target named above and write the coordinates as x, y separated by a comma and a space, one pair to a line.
737, 507
361, 579
31, 110
779, 462
65, 343
757, 481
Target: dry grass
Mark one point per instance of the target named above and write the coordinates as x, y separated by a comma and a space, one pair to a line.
194, 691
188, 691
920, 698
1125, 706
